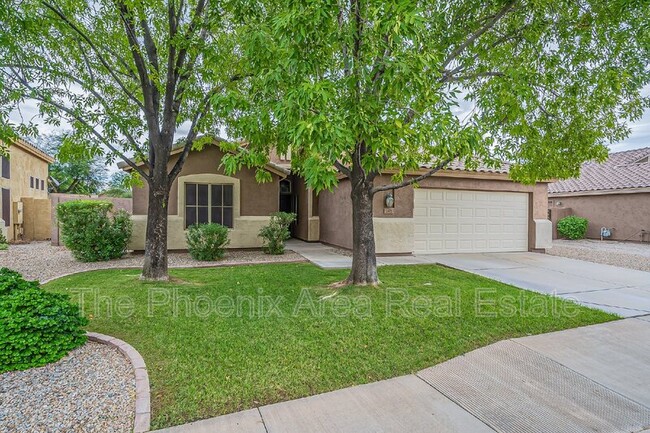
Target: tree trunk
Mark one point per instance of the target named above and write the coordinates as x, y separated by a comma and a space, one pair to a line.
364, 261
155, 252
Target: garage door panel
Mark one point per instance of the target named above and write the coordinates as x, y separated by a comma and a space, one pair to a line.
448, 221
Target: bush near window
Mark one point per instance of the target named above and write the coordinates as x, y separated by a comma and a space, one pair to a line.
92, 232
277, 232
572, 227
207, 241
36, 327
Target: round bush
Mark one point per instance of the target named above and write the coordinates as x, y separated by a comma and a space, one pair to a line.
277, 232
11, 281
91, 233
572, 227
207, 241
36, 327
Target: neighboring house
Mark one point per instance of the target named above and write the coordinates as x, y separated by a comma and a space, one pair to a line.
456, 210
23, 184
614, 195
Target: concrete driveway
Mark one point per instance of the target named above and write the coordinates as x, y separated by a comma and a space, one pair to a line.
618, 290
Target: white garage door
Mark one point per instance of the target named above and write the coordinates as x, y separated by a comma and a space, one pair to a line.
459, 221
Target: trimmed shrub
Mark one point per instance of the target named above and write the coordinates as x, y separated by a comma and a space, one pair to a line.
207, 241
91, 232
572, 227
277, 232
3, 242
36, 327
11, 281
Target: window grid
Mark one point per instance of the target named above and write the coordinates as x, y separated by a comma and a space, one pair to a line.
208, 203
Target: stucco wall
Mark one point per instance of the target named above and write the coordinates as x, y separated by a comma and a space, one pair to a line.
37, 220
336, 213
628, 214
256, 199
307, 226
24, 164
252, 202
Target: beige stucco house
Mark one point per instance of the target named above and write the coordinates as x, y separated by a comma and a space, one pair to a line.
614, 195
24, 204
457, 210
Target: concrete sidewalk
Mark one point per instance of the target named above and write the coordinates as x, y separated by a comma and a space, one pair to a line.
595, 378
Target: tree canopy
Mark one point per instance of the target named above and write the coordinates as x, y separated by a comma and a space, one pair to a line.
119, 185
74, 175
115, 70
130, 76
549, 83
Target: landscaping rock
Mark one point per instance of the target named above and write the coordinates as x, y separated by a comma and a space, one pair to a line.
624, 254
43, 261
90, 390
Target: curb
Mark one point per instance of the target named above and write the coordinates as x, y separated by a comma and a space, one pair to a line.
142, 422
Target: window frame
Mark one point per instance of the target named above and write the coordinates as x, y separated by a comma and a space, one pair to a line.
31, 182
5, 168
210, 206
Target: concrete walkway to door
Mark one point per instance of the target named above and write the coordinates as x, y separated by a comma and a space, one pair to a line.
589, 379
617, 290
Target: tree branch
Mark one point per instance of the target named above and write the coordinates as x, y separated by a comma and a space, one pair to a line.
93, 92
413, 180
178, 72
189, 140
450, 79
149, 44
94, 47
344, 47
36, 94
149, 91
342, 168
477, 34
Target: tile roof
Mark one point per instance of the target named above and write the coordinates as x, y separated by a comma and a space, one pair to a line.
458, 165
622, 170
33, 149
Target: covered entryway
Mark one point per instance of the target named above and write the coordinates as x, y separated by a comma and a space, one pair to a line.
463, 221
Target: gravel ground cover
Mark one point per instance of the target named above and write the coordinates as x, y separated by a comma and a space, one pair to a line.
43, 261
90, 390
625, 254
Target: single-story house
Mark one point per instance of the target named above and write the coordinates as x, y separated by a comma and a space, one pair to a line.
614, 195
456, 210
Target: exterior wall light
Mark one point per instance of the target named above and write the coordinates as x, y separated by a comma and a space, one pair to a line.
389, 200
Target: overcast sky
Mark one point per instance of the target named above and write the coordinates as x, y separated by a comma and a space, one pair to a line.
639, 137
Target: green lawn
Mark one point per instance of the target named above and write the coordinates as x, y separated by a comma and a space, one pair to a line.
206, 359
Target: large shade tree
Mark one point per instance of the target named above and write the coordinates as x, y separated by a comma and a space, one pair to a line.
72, 175
355, 88
125, 74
